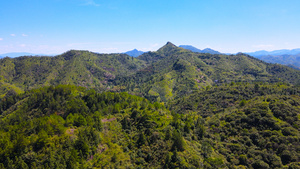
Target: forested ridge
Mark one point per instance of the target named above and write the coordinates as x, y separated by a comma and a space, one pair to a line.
166, 109
166, 74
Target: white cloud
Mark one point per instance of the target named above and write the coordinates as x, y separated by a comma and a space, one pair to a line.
24, 35
22, 45
263, 46
12, 34
1, 38
91, 2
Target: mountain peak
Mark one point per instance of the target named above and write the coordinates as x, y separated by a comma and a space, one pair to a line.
170, 43
167, 47
134, 53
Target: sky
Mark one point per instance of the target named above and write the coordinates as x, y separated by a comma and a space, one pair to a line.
114, 26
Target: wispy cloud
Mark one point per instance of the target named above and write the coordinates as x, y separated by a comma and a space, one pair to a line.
22, 45
1, 38
12, 34
91, 3
152, 47
24, 35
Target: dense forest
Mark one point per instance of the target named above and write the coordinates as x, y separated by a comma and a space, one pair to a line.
166, 109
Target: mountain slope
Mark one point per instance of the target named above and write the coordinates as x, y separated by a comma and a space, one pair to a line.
249, 124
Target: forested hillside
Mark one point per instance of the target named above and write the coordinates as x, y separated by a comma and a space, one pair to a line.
254, 126
166, 109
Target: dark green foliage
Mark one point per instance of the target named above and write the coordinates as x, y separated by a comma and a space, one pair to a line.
141, 140
260, 165
178, 142
206, 149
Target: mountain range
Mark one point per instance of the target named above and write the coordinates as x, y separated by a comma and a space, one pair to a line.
290, 58
136, 53
170, 108
160, 75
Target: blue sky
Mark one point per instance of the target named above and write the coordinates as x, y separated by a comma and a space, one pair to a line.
109, 26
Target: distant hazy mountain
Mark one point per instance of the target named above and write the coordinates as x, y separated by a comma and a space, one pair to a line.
211, 51
290, 60
275, 52
284, 57
17, 54
193, 49
134, 53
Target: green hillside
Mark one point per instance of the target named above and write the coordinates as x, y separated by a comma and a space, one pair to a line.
166, 109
